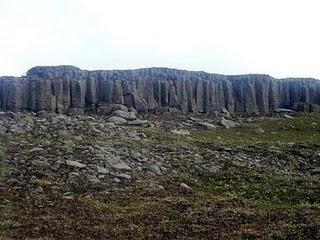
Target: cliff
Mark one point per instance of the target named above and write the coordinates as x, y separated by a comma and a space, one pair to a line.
67, 89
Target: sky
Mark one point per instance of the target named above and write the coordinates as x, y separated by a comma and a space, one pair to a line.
276, 37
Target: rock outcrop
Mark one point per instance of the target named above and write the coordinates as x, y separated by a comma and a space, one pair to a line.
67, 89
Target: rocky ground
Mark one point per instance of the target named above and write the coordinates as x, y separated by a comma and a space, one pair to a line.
120, 175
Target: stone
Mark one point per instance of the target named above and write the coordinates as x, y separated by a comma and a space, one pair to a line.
117, 120
205, 125
75, 164
110, 125
126, 115
73, 175
316, 171
288, 116
123, 176
116, 107
153, 169
36, 149
12, 181
227, 123
41, 164
259, 131
184, 185
226, 113
93, 179
102, 170
283, 110
9, 115
314, 124
18, 129
104, 110
174, 110
42, 114
136, 136
139, 122
75, 111
180, 132
117, 180
116, 163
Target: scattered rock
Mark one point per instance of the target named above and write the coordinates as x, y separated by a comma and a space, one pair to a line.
227, 123
259, 131
184, 185
118, 120
116, 163
139, 122
116, 180
288, 116
153, 169
41, 164
12, 181
42, 114
115, 107
75, 164
129, 116
226, 113
283, 110
102, 170
180, 132
93, 179
205, 125
73, 175
36, 149
123, 176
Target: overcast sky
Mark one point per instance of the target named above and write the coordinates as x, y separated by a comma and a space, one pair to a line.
276, 37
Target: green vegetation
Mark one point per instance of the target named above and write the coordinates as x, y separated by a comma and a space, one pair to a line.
304, 128
235, 202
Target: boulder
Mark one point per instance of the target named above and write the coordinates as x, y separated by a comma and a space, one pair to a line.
116, 163
118, 120
227, 123
126, 115
75, 164
116, 107
42, 114
205, 125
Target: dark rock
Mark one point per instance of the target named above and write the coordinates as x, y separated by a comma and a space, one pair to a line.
139, 122
123, 176
43, 114
67, 89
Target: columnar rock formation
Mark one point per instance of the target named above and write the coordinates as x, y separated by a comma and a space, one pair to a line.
67, 89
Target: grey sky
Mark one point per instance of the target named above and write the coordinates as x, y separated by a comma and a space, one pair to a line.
277, 37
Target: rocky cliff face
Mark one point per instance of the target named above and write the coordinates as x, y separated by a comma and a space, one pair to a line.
67, 89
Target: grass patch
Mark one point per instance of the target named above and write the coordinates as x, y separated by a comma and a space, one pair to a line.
261, 189
304, 128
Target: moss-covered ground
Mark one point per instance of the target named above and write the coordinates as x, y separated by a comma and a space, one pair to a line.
235, 202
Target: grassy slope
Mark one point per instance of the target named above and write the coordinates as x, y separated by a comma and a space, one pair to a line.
235, 203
